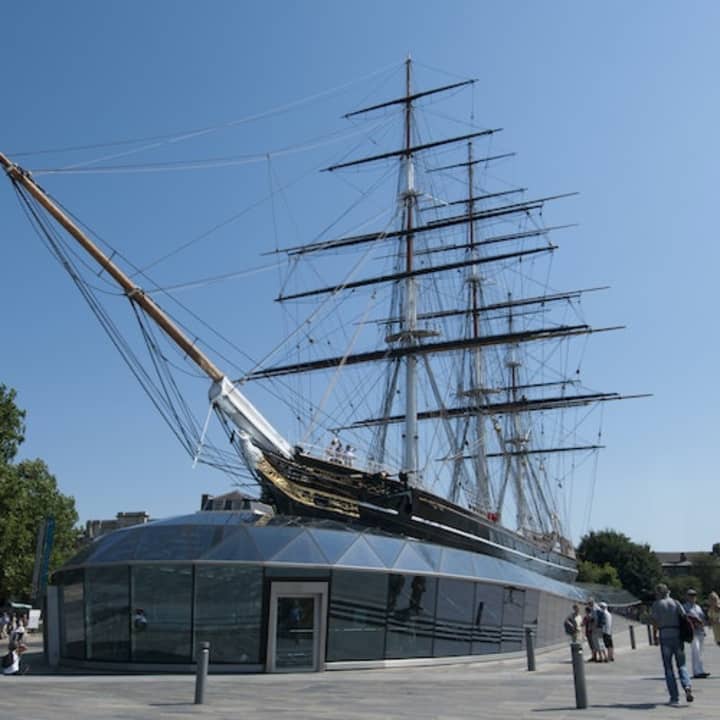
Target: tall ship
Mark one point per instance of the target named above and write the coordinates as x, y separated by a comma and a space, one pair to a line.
427, 369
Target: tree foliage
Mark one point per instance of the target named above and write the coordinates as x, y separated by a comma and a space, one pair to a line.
637, 566
12, 428
605, 574
28, 495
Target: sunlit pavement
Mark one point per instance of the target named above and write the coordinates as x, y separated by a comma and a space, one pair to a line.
631, 687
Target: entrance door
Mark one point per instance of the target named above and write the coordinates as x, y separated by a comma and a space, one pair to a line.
297, 627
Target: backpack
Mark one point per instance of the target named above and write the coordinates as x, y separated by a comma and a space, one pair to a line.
685, 626
600, 619
569, 625
7, 660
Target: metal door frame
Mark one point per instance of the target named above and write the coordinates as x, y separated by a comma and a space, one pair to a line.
315, 589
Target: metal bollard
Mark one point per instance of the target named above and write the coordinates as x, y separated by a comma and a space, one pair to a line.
581, 700
530, 648
632, 637
203, 660
650, 637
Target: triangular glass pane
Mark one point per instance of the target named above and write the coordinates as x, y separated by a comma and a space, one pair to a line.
236, 545
387, 548
431, 553
303, 550
271, 539
410, 560
361, 554
457, 562
333, 544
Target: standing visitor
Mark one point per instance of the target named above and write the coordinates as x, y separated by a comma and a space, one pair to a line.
697, 618
714, 615
574, 624
607, 632
665, 614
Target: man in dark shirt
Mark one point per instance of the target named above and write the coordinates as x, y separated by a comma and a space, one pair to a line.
665, 614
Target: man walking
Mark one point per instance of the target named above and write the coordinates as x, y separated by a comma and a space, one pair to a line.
665, 614
697, 618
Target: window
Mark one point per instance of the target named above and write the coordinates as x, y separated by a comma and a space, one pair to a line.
228, 612
108, 613
454, 617
72, 636
356, 628
163, 593
411, 614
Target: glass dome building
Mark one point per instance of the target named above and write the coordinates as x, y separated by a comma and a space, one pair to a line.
290, 594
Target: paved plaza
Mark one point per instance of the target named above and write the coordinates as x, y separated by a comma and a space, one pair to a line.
631, 687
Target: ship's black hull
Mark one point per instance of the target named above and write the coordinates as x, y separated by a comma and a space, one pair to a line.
310, 487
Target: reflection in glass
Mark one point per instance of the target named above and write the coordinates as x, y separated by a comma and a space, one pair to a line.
487, 619
356, 628
454, 617
411, 614
228, 607
108, 628
163, 594
513, 633
72, 599
295, 633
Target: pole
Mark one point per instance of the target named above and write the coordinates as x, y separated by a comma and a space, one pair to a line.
203, 660
530, 647
581, 700
650, 637
632, 637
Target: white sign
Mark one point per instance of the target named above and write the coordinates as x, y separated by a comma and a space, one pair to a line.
33, 620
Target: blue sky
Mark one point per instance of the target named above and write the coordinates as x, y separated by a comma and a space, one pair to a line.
616, 100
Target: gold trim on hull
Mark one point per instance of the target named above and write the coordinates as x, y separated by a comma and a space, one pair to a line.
329, 501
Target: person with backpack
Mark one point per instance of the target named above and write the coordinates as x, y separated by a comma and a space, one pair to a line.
607, 632
597, 629
666, 614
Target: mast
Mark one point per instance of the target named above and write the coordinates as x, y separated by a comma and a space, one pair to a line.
410, 308
482, 484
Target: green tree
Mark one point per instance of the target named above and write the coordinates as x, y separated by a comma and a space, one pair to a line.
707, 570
12, 428
637, 566
605, 574
28, 495
679, 584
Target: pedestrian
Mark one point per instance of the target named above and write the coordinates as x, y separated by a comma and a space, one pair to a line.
607, 632
713, 614
11, 661
587, 622
665, 614
4, 622
573, 624
597, 630
697, 618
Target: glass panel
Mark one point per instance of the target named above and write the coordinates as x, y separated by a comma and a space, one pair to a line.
176, 542
228, 612
108, 629
295, 633
356, 629
303, 550
513, 608
72, 612
411, 614
361, 554
162, 599
387, 548
487, 619
333, 544
409, 560
454, 617
236, 545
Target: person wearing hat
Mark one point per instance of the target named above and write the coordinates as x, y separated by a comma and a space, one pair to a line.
697, 618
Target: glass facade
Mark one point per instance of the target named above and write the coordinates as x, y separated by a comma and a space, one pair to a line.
389, 598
